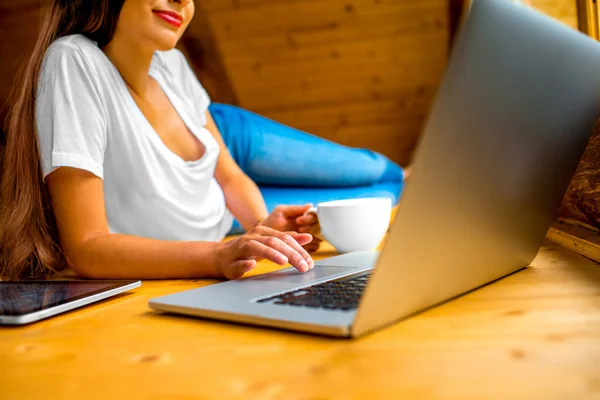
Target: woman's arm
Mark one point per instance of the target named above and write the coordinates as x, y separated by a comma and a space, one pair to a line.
78, 203
246, 202
93, 252
243, 197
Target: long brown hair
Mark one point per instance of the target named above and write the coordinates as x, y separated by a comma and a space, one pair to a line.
29, 245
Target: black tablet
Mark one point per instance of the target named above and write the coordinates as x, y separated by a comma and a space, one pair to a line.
23, 302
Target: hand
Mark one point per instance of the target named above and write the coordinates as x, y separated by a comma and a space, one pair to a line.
292, 218
238, 256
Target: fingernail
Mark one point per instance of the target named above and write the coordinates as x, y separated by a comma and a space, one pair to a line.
304, 265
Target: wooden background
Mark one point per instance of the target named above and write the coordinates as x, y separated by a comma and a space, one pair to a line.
563, 10
359, 72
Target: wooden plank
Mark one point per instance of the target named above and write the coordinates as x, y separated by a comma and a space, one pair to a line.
408, 105
314, 90
414, 22
532, 335
562, 10
392, 79
394, 47
229, 5
576, 237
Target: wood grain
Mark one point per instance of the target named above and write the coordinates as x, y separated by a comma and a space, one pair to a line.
532, 335
298, 60
570, 234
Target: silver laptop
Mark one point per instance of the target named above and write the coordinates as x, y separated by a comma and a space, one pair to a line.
518, 103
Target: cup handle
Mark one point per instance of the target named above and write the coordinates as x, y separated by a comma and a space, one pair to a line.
313, 210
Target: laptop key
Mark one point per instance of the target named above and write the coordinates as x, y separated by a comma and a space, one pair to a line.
342, 295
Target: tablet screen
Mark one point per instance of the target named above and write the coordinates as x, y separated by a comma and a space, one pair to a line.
20, 298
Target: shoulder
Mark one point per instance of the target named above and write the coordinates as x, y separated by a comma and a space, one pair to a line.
72, 73
74, 53
73, 45
75, 41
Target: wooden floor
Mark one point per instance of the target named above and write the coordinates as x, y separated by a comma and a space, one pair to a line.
532, 335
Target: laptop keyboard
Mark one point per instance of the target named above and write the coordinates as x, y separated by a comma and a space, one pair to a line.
341, 294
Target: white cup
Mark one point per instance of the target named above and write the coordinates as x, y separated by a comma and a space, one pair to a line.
354, 224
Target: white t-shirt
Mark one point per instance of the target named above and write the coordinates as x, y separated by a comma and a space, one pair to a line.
87, 119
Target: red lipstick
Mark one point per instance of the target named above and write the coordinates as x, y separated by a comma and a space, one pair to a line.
169, 16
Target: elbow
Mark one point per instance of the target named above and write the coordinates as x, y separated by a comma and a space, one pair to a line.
234, 179
84, 268
83, 262
87, 273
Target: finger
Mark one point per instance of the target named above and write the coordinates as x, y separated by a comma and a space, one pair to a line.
301, 238
312, 229
312, 247
286, 245
294, 240
256, 248
293, 211
307, 219
240, 267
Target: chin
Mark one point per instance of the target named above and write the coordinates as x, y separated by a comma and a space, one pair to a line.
166, 43
166, 47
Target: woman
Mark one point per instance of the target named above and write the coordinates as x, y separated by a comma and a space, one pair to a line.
118, 166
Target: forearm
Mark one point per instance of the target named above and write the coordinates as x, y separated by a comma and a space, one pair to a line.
245, 201
112, 256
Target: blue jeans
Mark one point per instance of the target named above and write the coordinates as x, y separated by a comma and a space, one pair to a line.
294, 168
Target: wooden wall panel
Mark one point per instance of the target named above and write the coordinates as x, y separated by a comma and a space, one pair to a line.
360, 72
562, 10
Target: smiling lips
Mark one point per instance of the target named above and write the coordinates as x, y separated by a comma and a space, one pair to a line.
169, 16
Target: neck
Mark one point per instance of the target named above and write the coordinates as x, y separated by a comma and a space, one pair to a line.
132, 61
